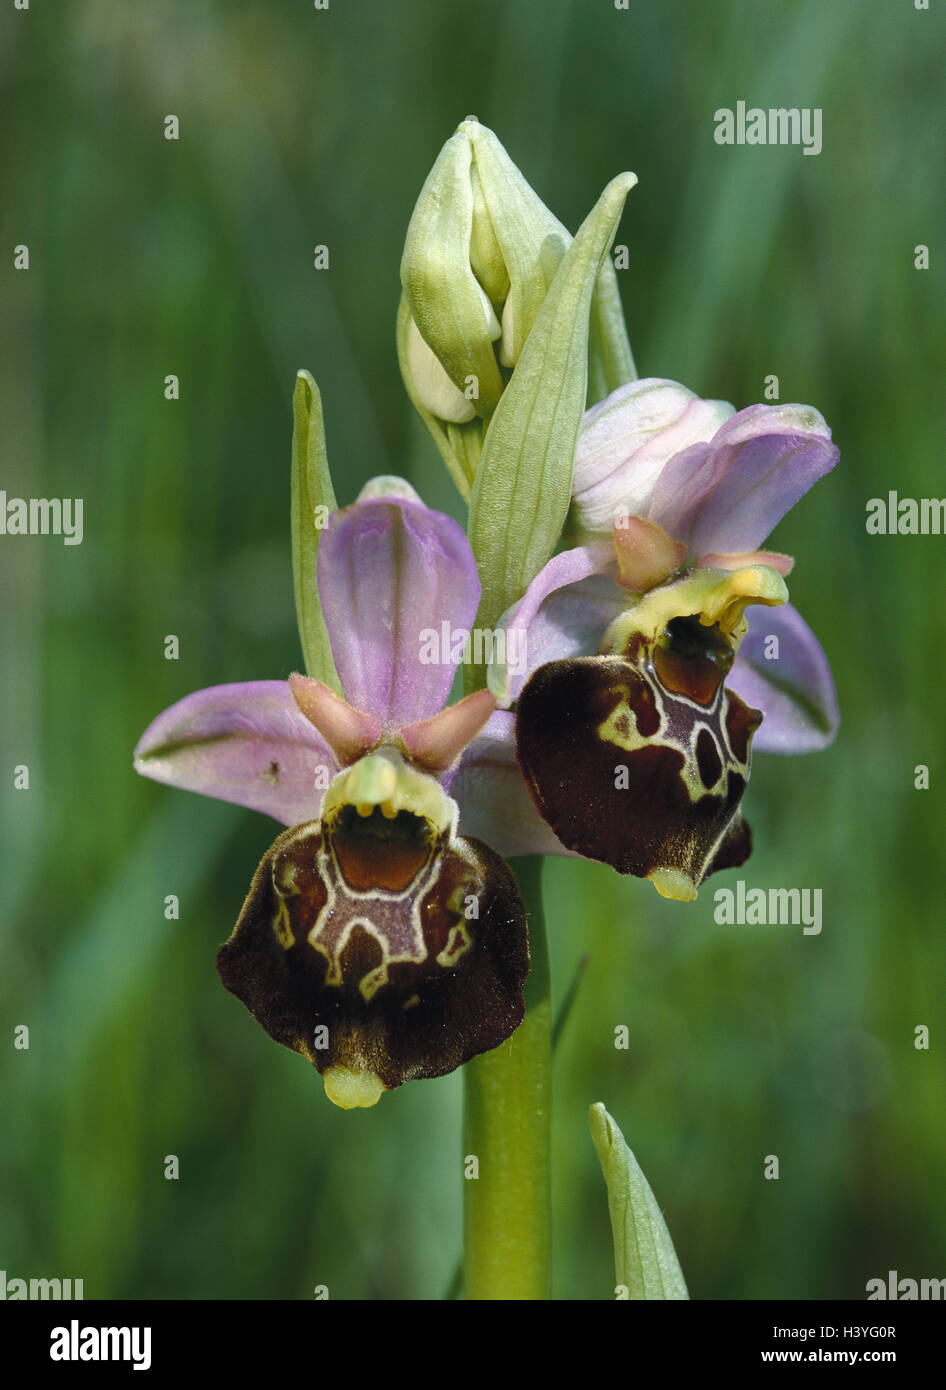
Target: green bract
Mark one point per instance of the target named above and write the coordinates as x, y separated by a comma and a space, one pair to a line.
645, 1262
523, 484
313, 498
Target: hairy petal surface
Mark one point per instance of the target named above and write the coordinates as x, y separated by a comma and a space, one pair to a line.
349, 732
435, 744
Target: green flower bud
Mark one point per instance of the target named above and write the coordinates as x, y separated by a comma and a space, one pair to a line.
480, 256
486, 257
529, 238
444, 296
434, 387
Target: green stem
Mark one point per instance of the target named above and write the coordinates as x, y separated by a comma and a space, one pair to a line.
506, 1215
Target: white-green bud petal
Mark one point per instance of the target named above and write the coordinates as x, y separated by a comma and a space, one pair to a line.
434, 388
486, 257
522, 225
445, 297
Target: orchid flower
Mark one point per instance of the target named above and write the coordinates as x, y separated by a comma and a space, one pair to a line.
654, 655
376, 940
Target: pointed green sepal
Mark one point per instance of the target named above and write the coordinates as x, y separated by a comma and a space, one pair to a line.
645, 1262
313, 499
610, 360
523, 483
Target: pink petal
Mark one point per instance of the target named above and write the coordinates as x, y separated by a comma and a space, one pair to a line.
726, 496
646, 554
495, 805
784, 564
393, 576
782, 670
349, 732
626, 440
565, 610
246, 743
436, 743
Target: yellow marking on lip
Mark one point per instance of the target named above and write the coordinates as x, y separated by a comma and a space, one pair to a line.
284, 879
283, 928
458, 943
370, 984
626, 736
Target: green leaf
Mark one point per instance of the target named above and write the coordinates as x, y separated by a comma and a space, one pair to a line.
523, 484
311, 490
645, 1262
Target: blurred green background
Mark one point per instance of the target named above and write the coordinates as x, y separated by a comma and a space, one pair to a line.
148, 257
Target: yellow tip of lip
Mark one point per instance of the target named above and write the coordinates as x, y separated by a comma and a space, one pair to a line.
673, 883
747, 581
352, 1090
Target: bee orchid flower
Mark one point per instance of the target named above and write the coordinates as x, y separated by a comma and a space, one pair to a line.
658, 647
377, 940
